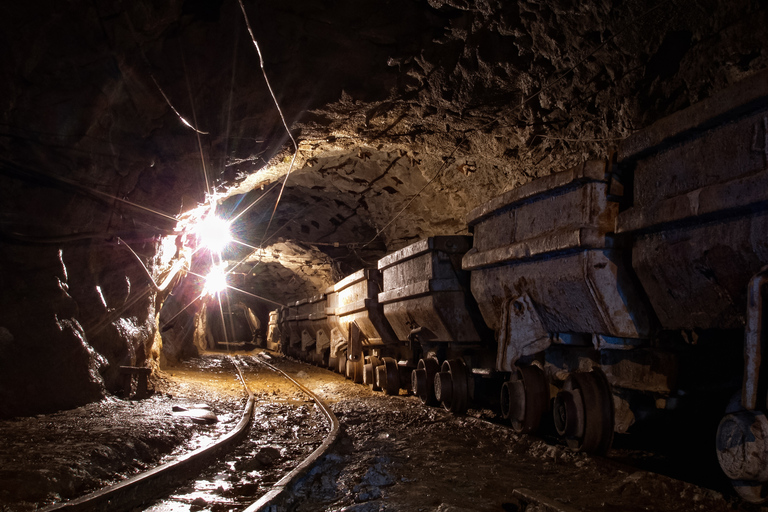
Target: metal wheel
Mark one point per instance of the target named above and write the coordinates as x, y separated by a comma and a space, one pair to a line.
333, 364
742, 451
342, 367
583, 412
423, 380
381, 377
356, 369
452, 386
525, 399
391, 385
369, 373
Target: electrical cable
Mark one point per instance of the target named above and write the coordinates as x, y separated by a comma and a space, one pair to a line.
279, 110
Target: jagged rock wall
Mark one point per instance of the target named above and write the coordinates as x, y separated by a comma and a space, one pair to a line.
408, 114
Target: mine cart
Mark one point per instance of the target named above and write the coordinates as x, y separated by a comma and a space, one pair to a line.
427, 301
273, 331
313, 323
699, 221
290, 329
360, 330
337, 360
547, 277
543, 263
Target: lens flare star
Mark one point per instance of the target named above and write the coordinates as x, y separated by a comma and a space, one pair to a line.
216, 280
213, 233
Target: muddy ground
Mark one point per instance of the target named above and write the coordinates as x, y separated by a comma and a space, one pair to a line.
392, 453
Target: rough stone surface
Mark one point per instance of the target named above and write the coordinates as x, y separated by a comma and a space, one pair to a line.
407, 115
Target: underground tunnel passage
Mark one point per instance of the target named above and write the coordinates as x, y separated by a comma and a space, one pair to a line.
514, 253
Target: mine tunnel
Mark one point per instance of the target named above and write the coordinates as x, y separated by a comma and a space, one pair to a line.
535, 233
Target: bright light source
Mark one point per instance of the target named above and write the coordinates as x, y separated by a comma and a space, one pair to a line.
214, 233
216, 280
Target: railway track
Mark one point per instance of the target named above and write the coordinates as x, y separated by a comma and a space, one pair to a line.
283, 429
395, 451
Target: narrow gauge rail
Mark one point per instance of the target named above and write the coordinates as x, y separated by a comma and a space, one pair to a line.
283, 429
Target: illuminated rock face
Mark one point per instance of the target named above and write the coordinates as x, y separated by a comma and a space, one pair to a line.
408, 114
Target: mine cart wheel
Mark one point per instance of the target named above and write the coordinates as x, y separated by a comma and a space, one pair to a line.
525, 399
451, 386
742, 449
751, 491
333, 364
391, 384
423, 380
343, 364
369, 374
583, 412
356, 370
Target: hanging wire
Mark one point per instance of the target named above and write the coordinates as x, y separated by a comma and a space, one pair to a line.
194, 117
152, 76
279, 110
168, 101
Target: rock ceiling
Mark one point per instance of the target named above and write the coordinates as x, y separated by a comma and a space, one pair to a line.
406, 114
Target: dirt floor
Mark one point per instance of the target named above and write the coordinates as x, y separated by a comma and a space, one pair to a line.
49, 458
395, 454
392, 454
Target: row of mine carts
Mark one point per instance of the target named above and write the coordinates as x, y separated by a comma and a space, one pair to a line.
583, 298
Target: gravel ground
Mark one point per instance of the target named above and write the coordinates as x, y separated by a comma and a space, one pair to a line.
392, 454
49, 458
395, 454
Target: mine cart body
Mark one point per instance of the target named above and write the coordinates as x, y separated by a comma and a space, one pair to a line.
699, 219
543, 263
292, 331
273, 331
356, 302
334, 332
304, 325
283, 312
426, 295
319, 327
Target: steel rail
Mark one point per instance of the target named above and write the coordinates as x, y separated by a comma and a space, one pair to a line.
272, 501
140, 488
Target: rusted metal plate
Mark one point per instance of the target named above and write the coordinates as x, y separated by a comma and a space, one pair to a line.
426, 293
293, 321
700, 213
542, 264
712, 203
312, 320
283, 321
721, 154
564, 218
585, 292
273, 330
593, 170
446, 244
696, 277
356, 300
746, 96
